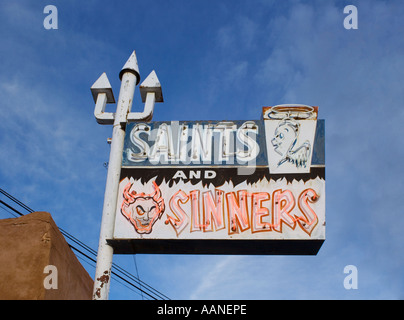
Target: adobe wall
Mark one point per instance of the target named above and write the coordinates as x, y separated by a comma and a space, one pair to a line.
27, 245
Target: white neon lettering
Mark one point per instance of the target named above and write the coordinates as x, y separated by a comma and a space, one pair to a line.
139, 143
201, 143
225, 129
252, 145
163, 146
221, 143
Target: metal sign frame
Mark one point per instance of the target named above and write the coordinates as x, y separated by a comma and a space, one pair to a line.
187, 163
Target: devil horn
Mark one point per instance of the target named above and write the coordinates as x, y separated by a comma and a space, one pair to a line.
157, 191
127, 195
157, 197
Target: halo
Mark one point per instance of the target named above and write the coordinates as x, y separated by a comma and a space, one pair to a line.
294, 111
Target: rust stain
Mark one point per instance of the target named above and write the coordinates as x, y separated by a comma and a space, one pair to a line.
103, 279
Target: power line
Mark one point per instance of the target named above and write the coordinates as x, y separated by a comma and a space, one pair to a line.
5, 206
113, 272
137, 271
9, 207
24, 206
117, 271
155, 294
93, 265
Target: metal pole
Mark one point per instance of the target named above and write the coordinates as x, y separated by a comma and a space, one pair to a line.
129, 79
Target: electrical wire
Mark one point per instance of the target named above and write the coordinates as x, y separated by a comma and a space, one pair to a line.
6, 208
137, 271
9, 207
158, 295
86, 261
117, 271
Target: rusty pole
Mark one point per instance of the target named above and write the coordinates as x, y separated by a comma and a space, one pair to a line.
130, 77
150, 91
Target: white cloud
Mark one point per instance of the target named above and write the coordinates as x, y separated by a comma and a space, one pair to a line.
214, 274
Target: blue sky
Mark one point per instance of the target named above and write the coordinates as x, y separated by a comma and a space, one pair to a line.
216, 60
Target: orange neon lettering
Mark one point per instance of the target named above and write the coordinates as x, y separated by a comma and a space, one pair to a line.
237, 211
283, 203
195, 216
310, 219
213, 210
258, 212
180, 219
209, 216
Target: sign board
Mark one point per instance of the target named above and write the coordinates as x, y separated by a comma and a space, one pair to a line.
224, 187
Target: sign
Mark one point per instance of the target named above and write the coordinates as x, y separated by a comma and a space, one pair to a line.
224, 187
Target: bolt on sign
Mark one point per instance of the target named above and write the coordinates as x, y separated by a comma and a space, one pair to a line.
224, 187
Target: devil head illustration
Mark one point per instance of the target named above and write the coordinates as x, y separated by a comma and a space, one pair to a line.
141, 209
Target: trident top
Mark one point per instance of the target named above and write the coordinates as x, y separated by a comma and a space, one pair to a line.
150, 91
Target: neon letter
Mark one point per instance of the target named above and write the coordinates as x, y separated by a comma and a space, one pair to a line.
213, 208
139, 143
195, 216
225, 129
201, 143
246, 140
163, 145
180, 221
283, 204
310, 220
237, 211
258, 212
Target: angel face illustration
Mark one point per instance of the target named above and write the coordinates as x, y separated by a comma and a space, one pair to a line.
285, 137
142, 210
284, 141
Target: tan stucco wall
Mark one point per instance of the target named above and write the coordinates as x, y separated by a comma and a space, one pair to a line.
27, 245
